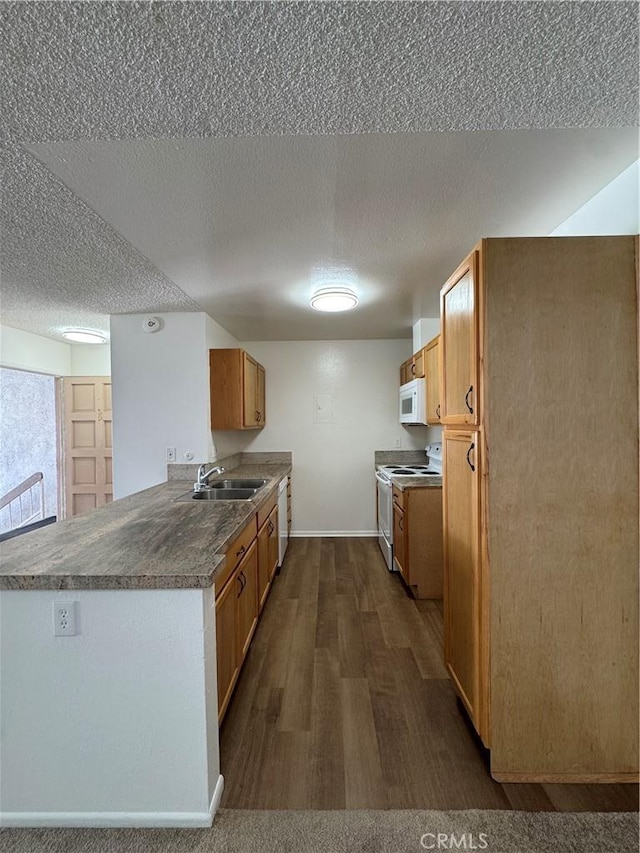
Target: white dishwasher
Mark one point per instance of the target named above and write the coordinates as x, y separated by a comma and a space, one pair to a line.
283, 537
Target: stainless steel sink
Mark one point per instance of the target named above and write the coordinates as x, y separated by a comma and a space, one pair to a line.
236, 484
219, 495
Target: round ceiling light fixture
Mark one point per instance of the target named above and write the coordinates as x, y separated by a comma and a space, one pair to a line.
84, 336
334, 299
334, 288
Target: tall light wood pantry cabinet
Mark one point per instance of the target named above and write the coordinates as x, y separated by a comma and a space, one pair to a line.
540, 501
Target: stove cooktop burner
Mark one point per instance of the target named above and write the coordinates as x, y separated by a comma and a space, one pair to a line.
412, 471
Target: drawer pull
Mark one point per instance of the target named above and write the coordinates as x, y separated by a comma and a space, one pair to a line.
241, 551
466, 398
470, 463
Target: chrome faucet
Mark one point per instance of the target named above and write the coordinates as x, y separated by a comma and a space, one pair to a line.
203, 477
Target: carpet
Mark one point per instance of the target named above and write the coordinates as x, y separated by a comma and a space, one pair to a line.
238, 831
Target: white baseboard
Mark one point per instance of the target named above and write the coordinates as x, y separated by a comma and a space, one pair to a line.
316, 534
217, 798
112, 820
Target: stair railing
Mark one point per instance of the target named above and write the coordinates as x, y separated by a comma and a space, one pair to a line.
29, 497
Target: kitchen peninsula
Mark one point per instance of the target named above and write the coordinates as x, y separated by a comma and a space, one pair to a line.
118, 725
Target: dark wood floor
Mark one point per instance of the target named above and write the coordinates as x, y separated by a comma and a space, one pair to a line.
344, 702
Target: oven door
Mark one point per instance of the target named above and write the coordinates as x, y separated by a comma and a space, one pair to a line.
385, 520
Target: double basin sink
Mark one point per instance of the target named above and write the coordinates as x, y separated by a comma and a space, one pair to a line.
225, 490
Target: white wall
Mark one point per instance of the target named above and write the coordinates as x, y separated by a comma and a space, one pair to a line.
160, 384
25, 351
160, 390
425, 330
113, 726
333, 479
614, 210
90, 359
37, 354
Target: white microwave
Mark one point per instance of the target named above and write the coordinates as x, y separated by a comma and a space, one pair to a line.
413, 402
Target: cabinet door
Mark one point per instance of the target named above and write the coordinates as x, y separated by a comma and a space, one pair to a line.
461, 512
399, 542
246, 581
261, 416
264, 564
226, 651
272, 525
419, 365
432, 374
459, 342
249, 390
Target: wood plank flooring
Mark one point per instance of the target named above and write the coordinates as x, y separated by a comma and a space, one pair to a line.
344, 702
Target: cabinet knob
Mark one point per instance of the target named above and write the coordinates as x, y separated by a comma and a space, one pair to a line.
466, 398
469, 451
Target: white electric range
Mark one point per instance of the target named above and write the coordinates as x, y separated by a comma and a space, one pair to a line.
433, 468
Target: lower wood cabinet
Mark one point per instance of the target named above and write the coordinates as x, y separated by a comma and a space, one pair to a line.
246, 582
236, 611
267, 555
464, 628
226, 645
417, 539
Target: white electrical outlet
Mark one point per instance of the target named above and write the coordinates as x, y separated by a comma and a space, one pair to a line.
398, 442
65, 618
170, 454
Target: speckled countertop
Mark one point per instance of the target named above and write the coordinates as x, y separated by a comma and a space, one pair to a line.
145, 541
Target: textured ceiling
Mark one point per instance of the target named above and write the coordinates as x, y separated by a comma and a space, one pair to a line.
147, 71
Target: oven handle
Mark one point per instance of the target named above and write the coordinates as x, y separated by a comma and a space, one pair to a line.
384, 480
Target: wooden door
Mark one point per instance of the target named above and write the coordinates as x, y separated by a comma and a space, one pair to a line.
86, 443
272, 525
459, 342
261, 408
264, 563
226, 648
461, 516
246, 600
432, 374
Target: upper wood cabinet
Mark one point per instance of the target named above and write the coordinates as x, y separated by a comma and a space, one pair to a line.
459, 341
432, 374
413, 368
406, 371
237, 388
419, 365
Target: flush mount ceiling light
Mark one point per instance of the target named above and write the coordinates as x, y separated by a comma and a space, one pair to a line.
84, 336
333, 288
334, 299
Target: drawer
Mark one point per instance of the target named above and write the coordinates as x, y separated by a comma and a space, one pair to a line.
266, 508
240, 545
398, 497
